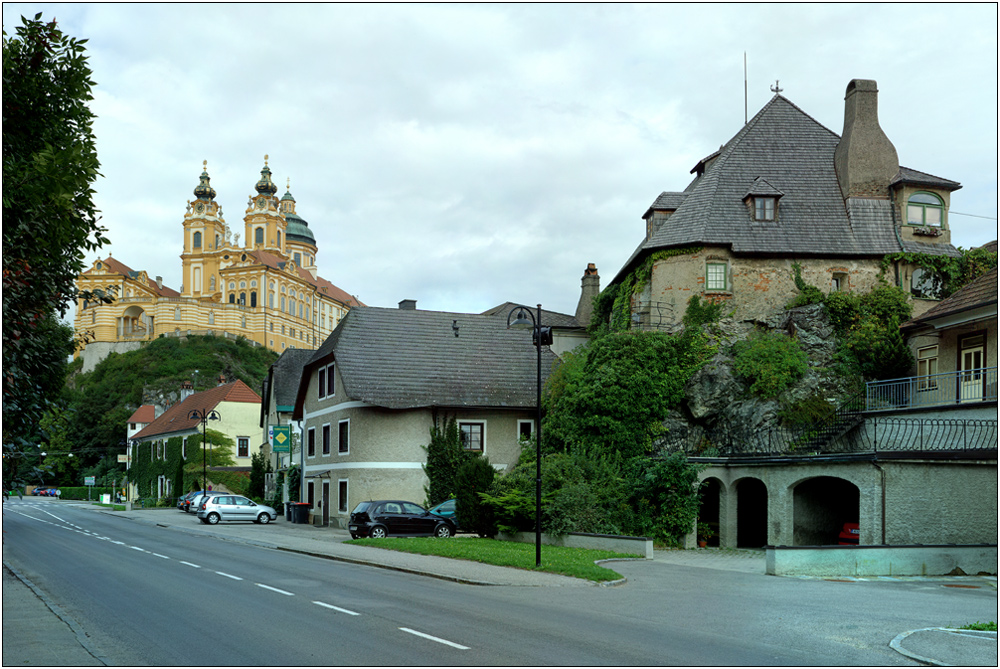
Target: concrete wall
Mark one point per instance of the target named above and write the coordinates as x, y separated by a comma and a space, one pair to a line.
99, 350
881, 560
929, 502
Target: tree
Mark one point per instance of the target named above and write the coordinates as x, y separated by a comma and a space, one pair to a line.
258, 467
474, 478
49, 219
444, 456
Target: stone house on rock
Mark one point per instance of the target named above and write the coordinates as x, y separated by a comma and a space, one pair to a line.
787, 191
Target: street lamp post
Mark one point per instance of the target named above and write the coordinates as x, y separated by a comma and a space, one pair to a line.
541, 336
204, 415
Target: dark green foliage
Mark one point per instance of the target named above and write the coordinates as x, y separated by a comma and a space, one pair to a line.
699, 313
770, 362
868, 326
948, 274
294, 483
49, 219
663, 499
259, 465
444, 456
474, 477
808, 294
612, 395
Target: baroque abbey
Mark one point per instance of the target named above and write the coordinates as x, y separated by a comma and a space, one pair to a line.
266, 290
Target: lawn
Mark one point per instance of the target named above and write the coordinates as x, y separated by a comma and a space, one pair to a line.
577, 562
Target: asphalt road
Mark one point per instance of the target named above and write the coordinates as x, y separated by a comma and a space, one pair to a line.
148, 596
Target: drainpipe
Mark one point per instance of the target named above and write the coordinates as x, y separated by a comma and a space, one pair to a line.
882, 476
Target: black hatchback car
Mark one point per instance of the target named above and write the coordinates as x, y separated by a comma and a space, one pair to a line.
383, 518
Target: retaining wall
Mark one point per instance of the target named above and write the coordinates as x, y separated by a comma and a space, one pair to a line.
881, 560
636, 545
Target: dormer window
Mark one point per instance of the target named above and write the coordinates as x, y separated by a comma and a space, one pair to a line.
925, 209
764, 208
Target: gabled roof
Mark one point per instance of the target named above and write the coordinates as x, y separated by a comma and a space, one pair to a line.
177, 418
980, 293
782, 150
282, 381
666, 200
144, 414
408, 358
549, 318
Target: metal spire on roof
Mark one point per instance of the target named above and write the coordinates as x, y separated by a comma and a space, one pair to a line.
776, 88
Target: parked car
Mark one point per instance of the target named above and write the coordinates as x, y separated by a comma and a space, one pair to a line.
850, 535
184, 501
382, 518
196, 500
234, 507
447, 509
40, 492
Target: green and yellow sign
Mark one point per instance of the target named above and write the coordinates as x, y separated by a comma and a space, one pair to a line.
281, 438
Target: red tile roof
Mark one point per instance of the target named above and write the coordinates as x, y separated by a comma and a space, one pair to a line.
276, 262
144, 414
113, 266
177, 418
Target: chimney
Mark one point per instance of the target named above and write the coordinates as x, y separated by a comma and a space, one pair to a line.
865, 159
408, 305
159, 282
590, 287
222, 380
187, 390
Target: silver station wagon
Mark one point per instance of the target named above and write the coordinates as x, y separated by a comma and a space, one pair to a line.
214, 508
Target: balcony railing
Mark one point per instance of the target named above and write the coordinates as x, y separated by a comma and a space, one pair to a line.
950, 388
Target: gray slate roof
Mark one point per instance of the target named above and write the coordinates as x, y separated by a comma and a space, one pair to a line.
402, 359
906, 175
794, 154
549, 318
285, 373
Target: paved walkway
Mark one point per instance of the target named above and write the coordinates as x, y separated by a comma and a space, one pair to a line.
36, 632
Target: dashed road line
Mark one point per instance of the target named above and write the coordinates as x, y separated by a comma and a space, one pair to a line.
434, 638
337, 608
282, 592
191, 564
235, 578
161, 556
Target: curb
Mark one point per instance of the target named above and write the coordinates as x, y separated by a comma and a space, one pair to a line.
897, 643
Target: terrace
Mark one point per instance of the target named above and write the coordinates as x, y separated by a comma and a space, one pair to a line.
933, 390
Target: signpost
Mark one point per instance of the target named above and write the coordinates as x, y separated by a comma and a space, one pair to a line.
281, 438
89, 482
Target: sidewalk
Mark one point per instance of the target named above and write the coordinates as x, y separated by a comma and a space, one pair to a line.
40, 634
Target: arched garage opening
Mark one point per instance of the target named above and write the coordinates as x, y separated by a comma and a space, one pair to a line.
751, 514
708, 510
821, 507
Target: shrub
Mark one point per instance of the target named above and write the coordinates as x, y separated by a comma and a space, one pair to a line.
444, 457
475, 477
698, 313
770, 362
663, 497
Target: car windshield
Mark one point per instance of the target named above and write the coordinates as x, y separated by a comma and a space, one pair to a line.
361, 508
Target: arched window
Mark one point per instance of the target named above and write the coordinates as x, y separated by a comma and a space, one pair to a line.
243, 299
232, 298
196, 240
279, 238
298, 259
253, 298
925, 208
284, 305
258, 236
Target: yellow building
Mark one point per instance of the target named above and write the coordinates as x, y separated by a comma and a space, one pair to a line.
266, 289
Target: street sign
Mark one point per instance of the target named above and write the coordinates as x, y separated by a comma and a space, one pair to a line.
281, 438
122, 457
89, 480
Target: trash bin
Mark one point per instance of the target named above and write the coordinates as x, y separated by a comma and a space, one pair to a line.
288, 511
301, 513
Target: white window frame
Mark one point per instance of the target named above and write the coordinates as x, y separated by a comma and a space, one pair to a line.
327, 439
343, 502
531, 431
311, 442
928, 358
341, 451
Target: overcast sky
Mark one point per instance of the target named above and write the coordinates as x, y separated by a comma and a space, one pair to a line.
463, 156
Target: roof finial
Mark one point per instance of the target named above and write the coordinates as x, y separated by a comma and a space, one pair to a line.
776, 88
265, 159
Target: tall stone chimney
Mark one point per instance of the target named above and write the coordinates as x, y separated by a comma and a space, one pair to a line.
865, 159
590, 287
408, 305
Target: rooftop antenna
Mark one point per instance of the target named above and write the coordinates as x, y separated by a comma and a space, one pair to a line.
776, 88
745, 117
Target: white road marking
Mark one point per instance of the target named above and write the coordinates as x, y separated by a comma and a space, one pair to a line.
434, 638
136, 548
235, 578
337, 608
191, 564
283, 592
161, 556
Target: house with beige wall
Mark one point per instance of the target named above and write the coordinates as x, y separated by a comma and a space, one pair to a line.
785, 191
367, 400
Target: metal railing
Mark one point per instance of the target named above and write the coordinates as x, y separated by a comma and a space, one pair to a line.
971, 385
859, 435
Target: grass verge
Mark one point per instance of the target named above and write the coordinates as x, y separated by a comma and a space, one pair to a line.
113, 507
980, 627
576, 562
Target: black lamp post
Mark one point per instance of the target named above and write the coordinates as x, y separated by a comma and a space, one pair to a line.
540, 336
204, 415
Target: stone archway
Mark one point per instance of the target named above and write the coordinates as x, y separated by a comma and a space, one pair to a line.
134, 323
820, 507
751, 513
709, 508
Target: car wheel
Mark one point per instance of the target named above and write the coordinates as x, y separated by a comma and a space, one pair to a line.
442, 531
212, 519
378, 532
263, 519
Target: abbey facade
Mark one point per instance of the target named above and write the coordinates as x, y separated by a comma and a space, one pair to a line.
266, 289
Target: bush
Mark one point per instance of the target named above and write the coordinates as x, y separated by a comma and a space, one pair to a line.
475, 476
698, 314
444, 457
868, 326
663, 498
770, 362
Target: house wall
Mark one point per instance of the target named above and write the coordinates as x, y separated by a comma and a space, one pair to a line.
947, 342
386, 447
239, 419
758, 287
